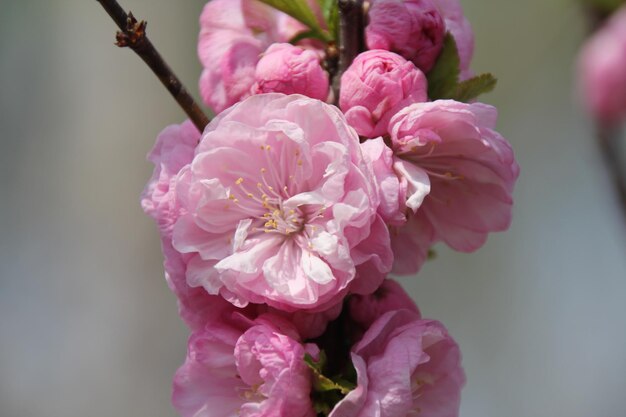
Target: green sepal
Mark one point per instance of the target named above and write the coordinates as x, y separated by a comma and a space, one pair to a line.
444, 76
299, 10
470, 89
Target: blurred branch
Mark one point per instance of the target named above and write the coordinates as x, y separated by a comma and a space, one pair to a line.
608, 139
351, 36
608, 136
132, 34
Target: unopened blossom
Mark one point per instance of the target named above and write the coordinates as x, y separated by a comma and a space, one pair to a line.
174, 149
233, 36
414, 29
240, 368
375, 87
602, 71
460, 175
289, 69
281, 208
406, 367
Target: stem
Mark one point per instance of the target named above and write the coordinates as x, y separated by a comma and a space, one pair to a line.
133, 35
351, 36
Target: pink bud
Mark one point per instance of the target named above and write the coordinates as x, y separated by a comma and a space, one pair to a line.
414, 29
375, 87
602, 71
288, 69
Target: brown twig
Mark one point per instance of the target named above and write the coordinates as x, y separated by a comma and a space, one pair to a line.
351, 36
133, 35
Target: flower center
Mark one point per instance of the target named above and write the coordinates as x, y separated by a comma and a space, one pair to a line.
277, 218
283, 222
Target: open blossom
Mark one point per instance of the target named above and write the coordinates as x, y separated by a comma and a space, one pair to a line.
197, 307
460, 176
233, 35
289, 69
174, 149
280, 207
411, 28
375, 87
250, 369
602, 69
366, 309
405, 367
391, 188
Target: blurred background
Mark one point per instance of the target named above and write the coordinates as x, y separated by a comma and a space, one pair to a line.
88, 326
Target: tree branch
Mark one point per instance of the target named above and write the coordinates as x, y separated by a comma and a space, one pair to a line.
133, 35
351, 36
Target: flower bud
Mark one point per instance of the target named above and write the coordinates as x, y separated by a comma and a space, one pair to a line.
375, 87
414, 29
288, 69
602, 71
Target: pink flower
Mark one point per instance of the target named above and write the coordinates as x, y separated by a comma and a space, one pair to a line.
174, 149
366, 309
460, 175
412, 28
281, 208
375, 87
233, 35
249, 369
288, 69
457, 24
602, 65
405, 367
197, 307
391, 188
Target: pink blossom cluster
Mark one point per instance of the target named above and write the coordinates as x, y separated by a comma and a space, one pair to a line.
282, 220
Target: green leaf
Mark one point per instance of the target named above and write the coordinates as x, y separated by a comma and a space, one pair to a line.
330, 11
307, 34
472, 88
444, 76
322, 383
299, 10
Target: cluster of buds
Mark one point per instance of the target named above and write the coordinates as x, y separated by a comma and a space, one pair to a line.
281, 221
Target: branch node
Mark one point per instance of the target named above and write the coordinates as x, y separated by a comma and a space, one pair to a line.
134, 34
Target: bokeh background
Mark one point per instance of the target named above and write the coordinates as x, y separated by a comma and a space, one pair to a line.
87, 324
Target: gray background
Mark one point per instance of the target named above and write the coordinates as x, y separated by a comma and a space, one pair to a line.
87, 324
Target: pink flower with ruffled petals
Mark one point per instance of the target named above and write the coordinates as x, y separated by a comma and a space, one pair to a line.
174, 149
233, 35
411, 28
248, 369
375, 87
289, 69
405, 367
197, 307
280, 196
601, 67
460, 174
